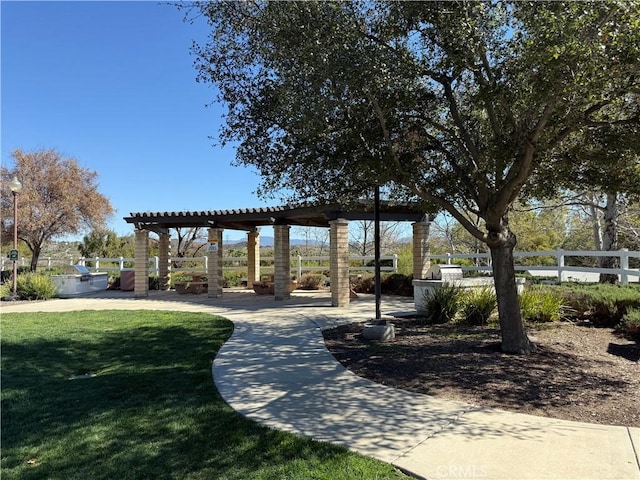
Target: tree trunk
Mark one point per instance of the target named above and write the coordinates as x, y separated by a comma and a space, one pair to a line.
610, 239
514, 336
597, 228
35, 256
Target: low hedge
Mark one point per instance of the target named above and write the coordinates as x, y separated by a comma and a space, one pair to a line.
602, 304
630, 324
390, 284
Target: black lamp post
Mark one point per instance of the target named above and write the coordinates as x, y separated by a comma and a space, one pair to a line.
15, 187
376, 239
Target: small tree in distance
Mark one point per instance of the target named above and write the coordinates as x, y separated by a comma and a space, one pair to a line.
58, 198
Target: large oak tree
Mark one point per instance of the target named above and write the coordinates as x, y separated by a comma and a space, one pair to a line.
58, 198
459, 104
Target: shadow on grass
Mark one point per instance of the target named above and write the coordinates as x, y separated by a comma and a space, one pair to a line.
150, 411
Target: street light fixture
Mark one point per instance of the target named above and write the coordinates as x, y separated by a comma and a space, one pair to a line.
15, 187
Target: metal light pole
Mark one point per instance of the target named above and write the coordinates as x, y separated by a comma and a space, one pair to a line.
376, 239
15, 187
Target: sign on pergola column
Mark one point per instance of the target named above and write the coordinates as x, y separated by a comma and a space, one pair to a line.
215, 278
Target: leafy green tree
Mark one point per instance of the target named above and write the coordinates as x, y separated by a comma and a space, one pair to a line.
99, 243
539, 228
602, 157
630, 227
580, 234
459, 104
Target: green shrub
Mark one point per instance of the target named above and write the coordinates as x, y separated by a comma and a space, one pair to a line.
179, 277
542, 304
113, 282
630, 324
232, 279
393, 284
442, 304
310, 281
53, 271
478, 304
5, 289
364, 284
35, 286
405, 260
604, 304
397, 284
154, 282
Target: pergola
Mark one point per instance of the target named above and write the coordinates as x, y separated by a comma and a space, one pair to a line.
334, 216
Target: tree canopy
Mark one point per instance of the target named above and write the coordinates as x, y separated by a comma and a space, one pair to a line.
58, 198
460, 104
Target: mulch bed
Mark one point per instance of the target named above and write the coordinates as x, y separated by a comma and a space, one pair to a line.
578, 373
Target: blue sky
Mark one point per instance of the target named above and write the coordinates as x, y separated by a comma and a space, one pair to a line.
112, 84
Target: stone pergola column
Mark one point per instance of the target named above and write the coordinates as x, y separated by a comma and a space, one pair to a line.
215, 279
253, 257
339, 262
164, 258
141, 264
282, 268
421, 250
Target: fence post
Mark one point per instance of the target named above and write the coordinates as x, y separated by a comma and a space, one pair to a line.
299, 267
121, 263
395, 263
448, 258
97, 266
206, 263
624, 265
560, 262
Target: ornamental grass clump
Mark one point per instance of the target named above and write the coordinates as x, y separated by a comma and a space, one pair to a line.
540, 304
478, 304
310, 281
442, 304
35, 286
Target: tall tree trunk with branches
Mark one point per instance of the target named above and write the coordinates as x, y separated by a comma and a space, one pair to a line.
610, 239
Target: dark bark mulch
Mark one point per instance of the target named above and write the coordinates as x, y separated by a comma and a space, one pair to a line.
578, 373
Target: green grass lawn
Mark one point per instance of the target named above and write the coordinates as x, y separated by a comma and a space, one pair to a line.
151, 411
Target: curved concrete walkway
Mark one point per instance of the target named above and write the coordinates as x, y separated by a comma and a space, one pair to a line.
275, 369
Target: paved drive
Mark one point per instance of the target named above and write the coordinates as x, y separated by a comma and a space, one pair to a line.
276, 370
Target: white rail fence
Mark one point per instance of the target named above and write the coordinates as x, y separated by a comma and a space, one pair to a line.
301, 264
560, 269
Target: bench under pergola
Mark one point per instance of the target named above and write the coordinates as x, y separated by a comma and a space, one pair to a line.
334, 216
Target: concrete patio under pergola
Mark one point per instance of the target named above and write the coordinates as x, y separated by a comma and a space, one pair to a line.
281, 218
